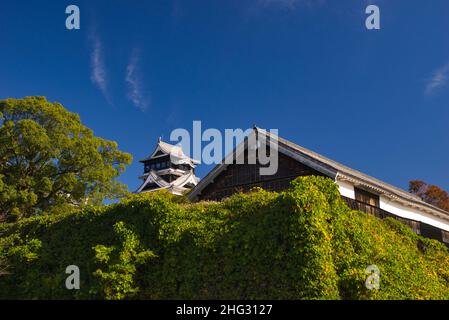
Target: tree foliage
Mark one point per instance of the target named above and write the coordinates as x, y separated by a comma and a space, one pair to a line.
49, 160
430, 193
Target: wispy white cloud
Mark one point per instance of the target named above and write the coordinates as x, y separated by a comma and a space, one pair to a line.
438, 80
133, 79
98, 74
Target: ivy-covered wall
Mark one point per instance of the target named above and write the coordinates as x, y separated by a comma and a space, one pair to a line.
303, 243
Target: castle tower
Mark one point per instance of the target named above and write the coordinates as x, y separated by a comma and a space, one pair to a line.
168, 168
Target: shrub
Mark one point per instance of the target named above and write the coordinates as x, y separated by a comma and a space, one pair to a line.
304, 243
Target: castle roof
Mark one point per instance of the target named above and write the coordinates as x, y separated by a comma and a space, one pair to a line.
177, 156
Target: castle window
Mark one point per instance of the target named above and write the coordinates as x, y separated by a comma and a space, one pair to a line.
366, 197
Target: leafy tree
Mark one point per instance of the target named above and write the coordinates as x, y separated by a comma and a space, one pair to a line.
430, 193
50, 161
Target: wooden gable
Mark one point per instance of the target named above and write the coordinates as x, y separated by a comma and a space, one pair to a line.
244, 177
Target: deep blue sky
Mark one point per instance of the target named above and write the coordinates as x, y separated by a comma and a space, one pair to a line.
377, 101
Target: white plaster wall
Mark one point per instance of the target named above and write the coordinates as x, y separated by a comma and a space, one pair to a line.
412, 213
346, 189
